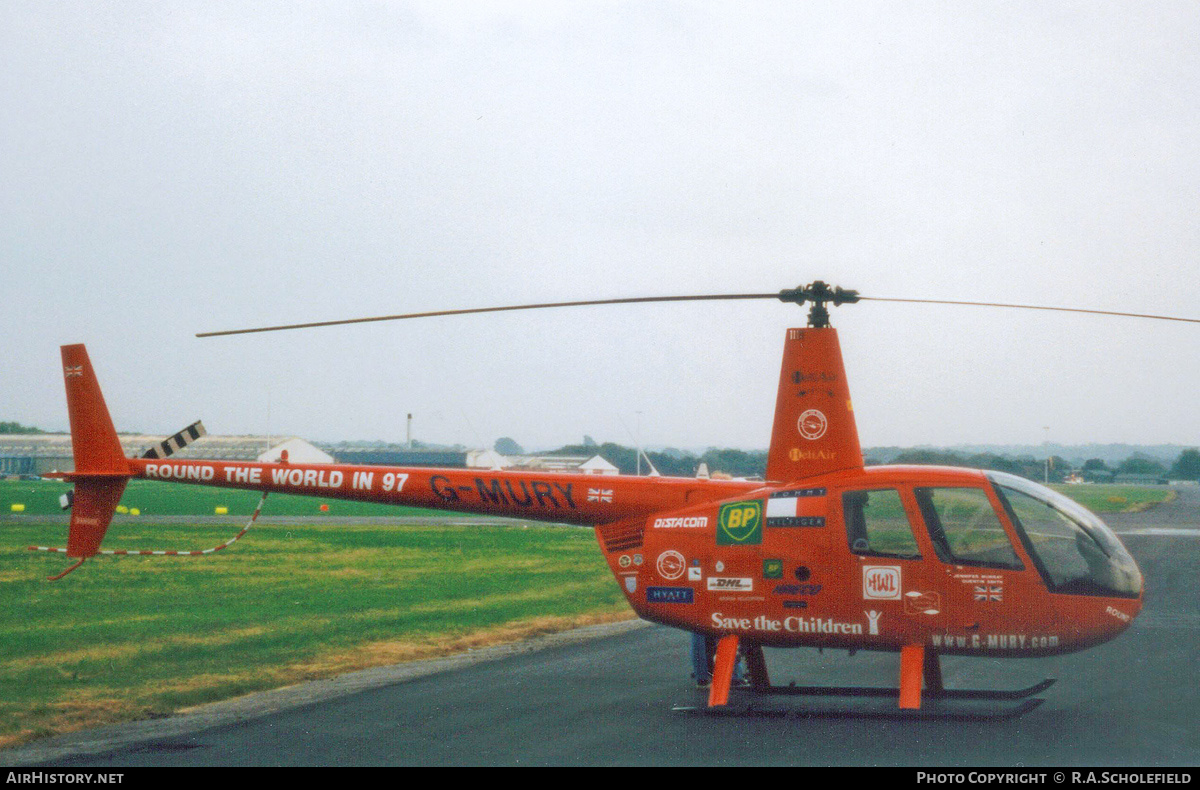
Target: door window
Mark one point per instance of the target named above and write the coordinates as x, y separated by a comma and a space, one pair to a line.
965, 529
876, 524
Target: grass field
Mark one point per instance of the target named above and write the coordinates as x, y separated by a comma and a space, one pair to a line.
132, 637
40, 497
1104, 498
152, 498
126, 638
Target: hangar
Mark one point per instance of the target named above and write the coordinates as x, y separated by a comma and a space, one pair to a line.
38, 453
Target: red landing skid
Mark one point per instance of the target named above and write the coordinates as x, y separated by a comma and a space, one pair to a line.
908, 702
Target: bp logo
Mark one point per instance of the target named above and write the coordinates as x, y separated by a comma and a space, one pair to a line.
740, 523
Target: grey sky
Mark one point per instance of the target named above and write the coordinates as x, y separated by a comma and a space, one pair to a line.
169, 168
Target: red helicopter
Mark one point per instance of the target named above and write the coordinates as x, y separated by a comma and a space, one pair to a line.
828, 553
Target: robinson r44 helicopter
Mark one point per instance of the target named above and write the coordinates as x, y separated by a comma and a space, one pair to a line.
828, 553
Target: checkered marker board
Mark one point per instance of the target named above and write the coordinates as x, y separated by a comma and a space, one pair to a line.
174, 444
150, 553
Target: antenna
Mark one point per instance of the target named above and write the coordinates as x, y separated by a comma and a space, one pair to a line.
640, 454
478, 438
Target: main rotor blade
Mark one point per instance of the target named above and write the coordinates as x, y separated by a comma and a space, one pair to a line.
634, 300
705, 298
1032, 307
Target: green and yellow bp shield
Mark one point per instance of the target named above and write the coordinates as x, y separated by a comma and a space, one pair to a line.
740, 523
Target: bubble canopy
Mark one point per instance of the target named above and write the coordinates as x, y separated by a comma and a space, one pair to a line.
1075, 552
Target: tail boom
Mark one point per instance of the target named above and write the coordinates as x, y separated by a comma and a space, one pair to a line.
562, 498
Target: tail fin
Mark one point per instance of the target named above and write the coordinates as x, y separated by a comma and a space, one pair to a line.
92, 512
93, 439
814, 428
101, 468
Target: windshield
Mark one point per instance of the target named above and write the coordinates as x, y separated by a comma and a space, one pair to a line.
1075, 551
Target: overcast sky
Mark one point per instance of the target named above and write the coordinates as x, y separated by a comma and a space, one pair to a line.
172, 168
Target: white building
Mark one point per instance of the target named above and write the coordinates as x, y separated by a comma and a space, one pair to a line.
299, 452
579, 464
486, 459
596, 465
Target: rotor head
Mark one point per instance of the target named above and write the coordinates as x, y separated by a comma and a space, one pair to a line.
818, 293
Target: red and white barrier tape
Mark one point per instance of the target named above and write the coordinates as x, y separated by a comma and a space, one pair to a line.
213, 550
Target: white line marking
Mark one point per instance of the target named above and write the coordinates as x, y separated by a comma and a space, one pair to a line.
1165, 531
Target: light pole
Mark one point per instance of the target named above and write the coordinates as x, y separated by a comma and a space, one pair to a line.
1047, 429
639, 443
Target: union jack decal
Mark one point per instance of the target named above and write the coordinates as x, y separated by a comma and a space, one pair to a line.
989, 592
77, 370
600, 495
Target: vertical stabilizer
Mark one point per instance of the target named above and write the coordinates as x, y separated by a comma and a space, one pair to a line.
93, 439
814, 429
91, 513
101, 469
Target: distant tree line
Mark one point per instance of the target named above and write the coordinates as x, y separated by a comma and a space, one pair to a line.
1025, 466
740, 463
672, 462
16, 427
1185, 467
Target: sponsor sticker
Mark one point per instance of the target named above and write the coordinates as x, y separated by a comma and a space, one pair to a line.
796, 454
1117, 613
985, 586
989, 592
994, 641
625, 561
881, 582
740, 523
694, 574
797, 589
681, 522
796, 508
671, 565
812, 424
670, 595
772, 569
922, 603
796, 521
800, 377
631, 584
790, 624
798, 492
730, 584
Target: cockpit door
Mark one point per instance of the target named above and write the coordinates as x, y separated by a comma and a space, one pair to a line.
892, 579
986, 585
